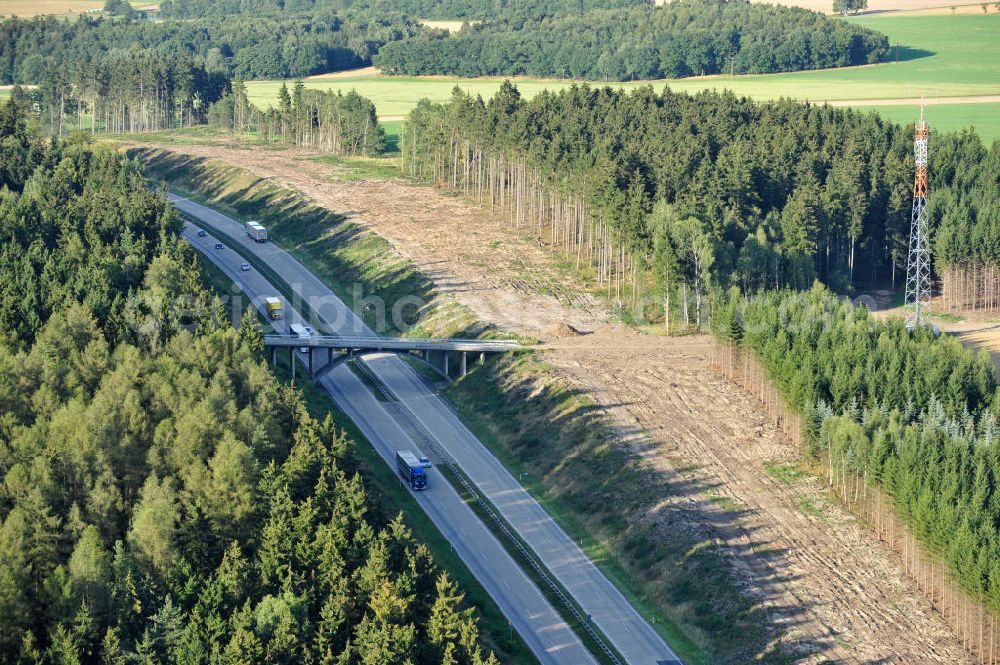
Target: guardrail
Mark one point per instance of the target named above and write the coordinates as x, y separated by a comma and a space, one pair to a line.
393, 343
427, 440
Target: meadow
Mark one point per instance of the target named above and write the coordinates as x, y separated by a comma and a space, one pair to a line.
984, 118
29, 8
938, 56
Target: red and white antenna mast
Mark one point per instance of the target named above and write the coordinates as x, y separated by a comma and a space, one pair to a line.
918, 267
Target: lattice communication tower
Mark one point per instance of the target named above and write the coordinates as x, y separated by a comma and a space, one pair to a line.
918, 266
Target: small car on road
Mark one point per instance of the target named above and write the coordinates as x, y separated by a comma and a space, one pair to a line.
425, 462
201, 233
244, 267
219, 245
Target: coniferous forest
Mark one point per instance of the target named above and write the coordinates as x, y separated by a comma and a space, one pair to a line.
966, 218
252, 46
731, 192
913, 414
163, 497
332, 122
427, 9
682, 38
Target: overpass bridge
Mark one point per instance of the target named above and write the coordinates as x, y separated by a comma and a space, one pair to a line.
348, 347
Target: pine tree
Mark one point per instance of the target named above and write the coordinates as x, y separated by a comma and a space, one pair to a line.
250, 332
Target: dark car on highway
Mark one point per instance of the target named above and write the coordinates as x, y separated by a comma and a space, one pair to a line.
219, 245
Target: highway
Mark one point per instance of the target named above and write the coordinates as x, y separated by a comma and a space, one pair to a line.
629, 633
544, 632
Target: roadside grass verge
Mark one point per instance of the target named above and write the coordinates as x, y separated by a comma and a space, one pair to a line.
425, 371
482, 507
364, 270
388, 495
597, 490
558, 442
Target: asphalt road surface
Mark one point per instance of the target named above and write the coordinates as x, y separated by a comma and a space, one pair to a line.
629, 633
544, 632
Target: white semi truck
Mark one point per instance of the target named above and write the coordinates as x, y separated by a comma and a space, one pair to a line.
302, 332
256, 231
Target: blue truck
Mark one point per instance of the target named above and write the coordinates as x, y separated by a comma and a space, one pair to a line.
411, 470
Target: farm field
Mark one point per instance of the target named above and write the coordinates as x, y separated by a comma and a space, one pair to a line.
985, 118
28, 8
908, 6
940, 56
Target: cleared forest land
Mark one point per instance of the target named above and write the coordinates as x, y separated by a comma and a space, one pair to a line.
828, 586
939, 56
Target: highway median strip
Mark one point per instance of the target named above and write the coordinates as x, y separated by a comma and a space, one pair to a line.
673, 617
393, 494
562, 600
558, 595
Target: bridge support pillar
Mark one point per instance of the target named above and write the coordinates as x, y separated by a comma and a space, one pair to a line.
291, 359
311, 365
445, 355
274, 356
482, 357
464, 365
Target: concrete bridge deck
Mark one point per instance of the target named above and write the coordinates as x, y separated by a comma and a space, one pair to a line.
392, 343
422, 347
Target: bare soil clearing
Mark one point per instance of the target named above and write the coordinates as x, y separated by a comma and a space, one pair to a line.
835, 592
348, 73
827, 580
504, 279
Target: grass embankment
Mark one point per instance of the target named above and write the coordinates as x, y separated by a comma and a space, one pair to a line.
390, 498
358, 265
939, 56
566, 606
599, 492
556, 439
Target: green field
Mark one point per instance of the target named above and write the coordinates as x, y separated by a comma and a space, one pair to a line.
939, 56
985, 118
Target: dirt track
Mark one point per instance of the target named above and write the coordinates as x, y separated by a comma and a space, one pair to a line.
830, 585
503, 278
912, 101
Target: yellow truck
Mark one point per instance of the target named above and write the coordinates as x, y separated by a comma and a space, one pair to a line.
273, 306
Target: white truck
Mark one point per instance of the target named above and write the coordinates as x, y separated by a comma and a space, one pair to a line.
257, 232
302, 332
